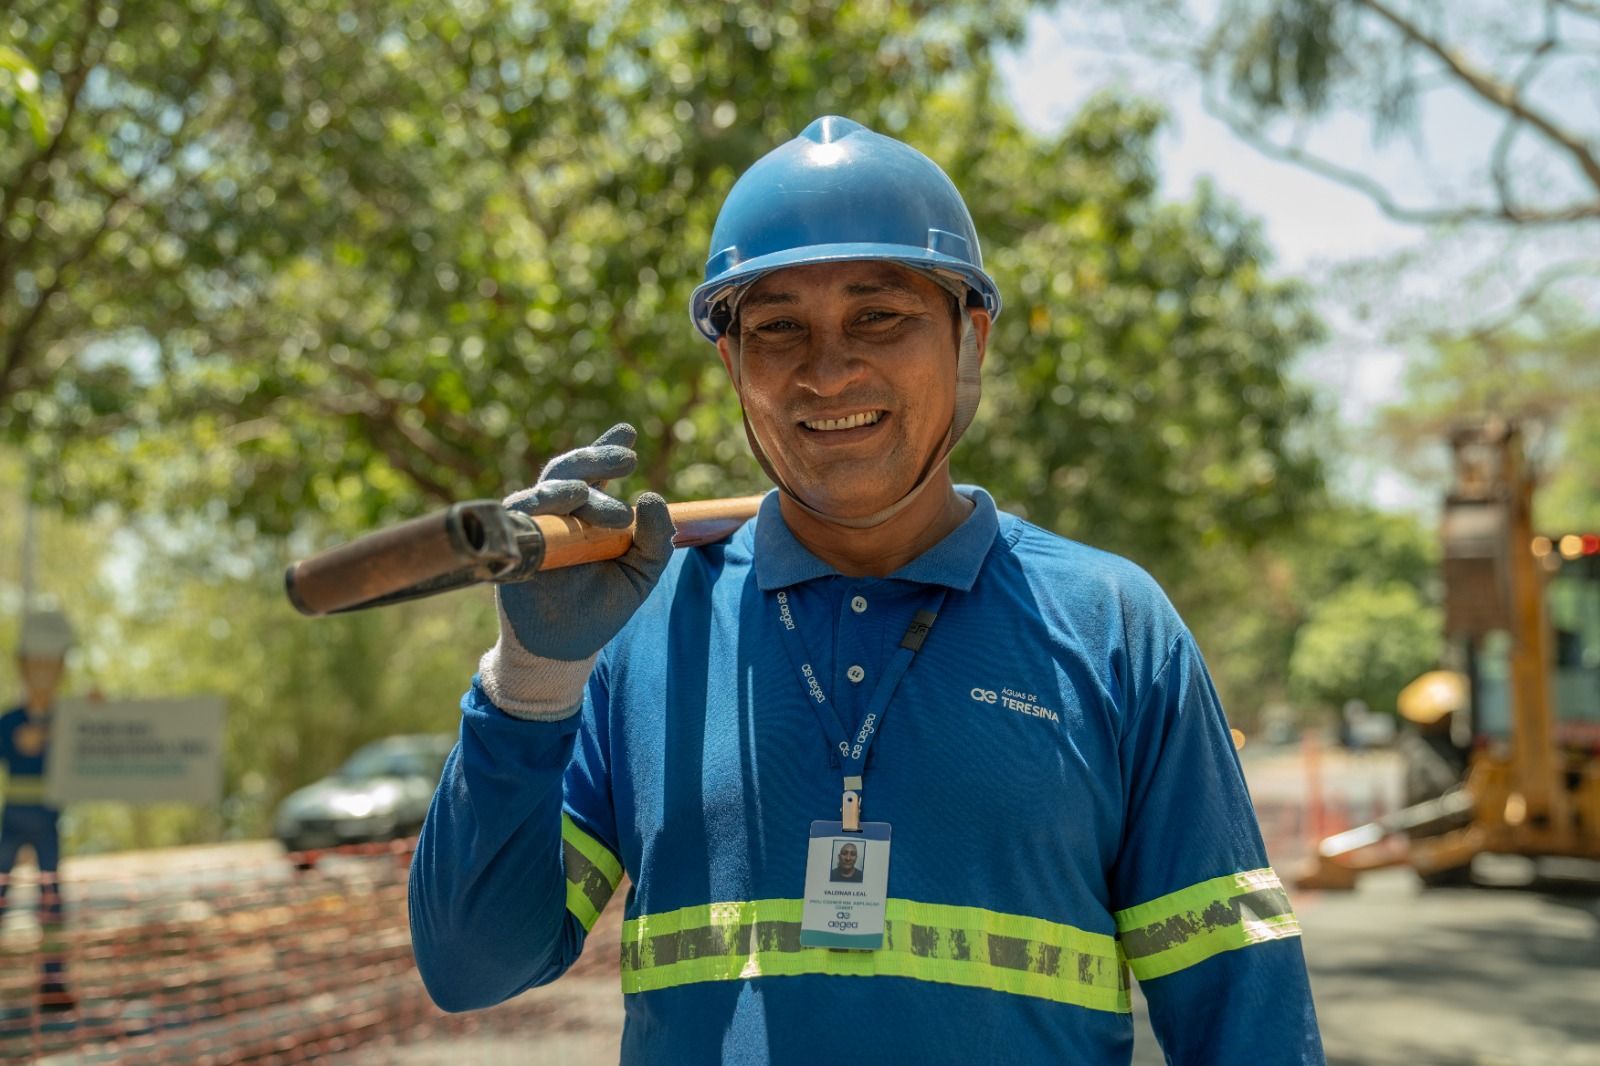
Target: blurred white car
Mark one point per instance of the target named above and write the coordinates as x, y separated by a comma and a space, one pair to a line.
381, 792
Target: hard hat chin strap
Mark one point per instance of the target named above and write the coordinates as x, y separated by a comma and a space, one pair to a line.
968, 391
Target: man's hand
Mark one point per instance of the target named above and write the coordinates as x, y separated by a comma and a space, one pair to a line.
553, 624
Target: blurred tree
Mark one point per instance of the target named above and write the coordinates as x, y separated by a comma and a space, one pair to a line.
360, 259
1136, 392
1347, 544
344, 263
1364, 642
1250, 610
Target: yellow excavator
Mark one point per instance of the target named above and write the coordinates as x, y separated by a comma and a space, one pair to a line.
1503, 754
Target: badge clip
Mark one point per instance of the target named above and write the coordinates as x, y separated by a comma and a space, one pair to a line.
850, 812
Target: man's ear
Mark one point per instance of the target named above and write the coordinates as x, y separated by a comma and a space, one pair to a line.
980, 326
730, 361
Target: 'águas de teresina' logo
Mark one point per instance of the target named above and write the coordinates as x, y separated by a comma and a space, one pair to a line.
1015, 700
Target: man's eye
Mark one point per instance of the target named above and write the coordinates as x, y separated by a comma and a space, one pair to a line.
778, 325
878, 317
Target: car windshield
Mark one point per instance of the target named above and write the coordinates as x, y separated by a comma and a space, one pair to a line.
391, 761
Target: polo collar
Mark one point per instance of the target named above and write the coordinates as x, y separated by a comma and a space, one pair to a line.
782, 561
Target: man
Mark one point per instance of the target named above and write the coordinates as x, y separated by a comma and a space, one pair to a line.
1022, 721
846, 870
27, 818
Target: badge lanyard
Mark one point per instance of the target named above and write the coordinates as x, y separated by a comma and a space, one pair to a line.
853, 752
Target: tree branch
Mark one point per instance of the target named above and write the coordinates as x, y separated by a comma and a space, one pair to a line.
401, 460
16, 348
1581, 8
1503, 96
1252, 134
380, 432
1529, 298
16, 355
446, 454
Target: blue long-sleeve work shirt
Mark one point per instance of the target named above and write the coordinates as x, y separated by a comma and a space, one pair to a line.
1065, 799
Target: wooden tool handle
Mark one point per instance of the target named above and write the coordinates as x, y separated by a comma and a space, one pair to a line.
569, 542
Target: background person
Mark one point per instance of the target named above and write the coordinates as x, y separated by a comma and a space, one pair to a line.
27, 820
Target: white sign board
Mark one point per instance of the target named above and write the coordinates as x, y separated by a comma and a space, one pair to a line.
136, 751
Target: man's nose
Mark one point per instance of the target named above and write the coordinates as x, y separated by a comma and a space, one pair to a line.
829, 365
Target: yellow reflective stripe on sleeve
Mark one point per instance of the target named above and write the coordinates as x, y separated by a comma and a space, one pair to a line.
1190, 925
24, 789
923, 941
592, 872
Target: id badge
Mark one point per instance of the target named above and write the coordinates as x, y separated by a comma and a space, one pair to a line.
847, 884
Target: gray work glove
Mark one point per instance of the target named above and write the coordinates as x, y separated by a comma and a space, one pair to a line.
554, 624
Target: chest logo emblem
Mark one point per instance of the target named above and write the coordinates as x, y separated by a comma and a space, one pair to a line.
1015, 700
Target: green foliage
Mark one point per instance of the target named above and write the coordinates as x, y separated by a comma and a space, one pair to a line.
359, 260
1286, 58
21, 109
1137, 391
1349, 544
371, 259
1249, 609
1365, 642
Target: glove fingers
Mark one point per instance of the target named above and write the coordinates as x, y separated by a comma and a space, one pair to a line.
604, 511
652, 541
550, 497
620, 434
596, 463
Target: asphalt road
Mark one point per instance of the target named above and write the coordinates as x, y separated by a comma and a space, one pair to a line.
1407, 976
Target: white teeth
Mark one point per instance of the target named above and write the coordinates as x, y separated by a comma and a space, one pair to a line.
865, 418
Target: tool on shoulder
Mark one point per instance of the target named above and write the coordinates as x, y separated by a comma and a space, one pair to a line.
479, 541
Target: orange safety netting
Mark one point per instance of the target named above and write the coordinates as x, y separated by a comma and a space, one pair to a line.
272, 960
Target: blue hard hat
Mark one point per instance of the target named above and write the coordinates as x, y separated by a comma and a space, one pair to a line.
835, 193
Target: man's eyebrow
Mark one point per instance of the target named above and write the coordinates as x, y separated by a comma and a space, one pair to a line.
879, 288
763, 299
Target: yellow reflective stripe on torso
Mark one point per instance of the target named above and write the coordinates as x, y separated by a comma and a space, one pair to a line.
1190, 925
924, 941
24, 789
592, 872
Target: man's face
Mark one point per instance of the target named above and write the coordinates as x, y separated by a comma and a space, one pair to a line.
847, 374
41, 673
847, 858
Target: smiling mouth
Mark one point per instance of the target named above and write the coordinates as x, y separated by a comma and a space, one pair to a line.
855, 421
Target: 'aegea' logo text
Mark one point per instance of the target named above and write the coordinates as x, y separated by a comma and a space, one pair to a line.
1021, 702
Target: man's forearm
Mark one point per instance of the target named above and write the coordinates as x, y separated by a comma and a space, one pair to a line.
488, 888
